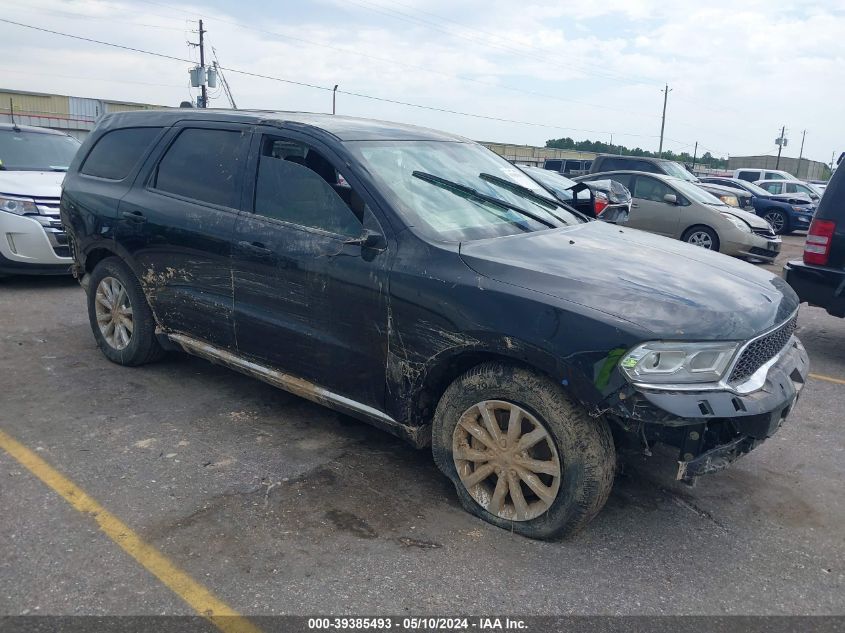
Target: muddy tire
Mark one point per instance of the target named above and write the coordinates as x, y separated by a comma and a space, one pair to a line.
550, 465
120, 317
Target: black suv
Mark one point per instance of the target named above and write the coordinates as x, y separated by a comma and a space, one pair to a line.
820, 278
422, 283
617, 162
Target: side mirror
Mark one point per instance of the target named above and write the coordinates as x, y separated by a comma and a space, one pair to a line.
367, 239
670, 198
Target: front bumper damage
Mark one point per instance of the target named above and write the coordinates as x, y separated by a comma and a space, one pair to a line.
713, 428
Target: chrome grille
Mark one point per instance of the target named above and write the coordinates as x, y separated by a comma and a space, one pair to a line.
47, 206
762, 350
764, 232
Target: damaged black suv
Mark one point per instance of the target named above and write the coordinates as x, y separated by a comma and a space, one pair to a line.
415, 280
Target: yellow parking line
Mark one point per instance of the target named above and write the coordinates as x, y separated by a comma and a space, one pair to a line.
838, 381
198, 597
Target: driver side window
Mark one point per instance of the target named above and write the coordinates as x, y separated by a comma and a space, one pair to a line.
297, 184
650, 189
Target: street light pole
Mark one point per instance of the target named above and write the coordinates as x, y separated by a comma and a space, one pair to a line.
663, 119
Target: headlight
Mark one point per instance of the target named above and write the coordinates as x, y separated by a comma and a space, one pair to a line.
18, 206
801, 209
740, 224
677, 363
729, 200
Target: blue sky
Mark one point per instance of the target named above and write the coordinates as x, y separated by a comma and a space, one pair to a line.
738, 70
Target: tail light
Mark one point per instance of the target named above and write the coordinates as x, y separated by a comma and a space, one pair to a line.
819, 238
600, 203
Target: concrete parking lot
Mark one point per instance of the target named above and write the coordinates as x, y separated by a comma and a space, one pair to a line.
279, 506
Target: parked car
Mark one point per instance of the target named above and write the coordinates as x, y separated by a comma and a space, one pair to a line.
603, 199
32, 164
737, 198
611, 162
568, 166
682, 210
421, 295
794, 187
819, 279
785, 212
819, 186
753, 175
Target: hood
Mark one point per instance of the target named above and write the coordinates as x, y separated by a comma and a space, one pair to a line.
752, 219
39, 184
675, 290
792, 198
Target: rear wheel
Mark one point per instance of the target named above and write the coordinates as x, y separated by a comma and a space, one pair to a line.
702, 236
120, 316
520, 454
778, 221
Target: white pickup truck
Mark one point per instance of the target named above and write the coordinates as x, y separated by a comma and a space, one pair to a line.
33, 162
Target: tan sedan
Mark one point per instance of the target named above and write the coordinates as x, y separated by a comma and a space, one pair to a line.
682, 210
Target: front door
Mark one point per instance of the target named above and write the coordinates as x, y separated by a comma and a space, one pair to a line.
178, 226
649, 210
307, 301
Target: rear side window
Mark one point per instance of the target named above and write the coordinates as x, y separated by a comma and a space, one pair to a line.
118, 151
750, 176
771, 175
202, 165
553, 164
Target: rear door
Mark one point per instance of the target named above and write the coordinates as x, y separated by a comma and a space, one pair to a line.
649, 211
177, 224
306, 301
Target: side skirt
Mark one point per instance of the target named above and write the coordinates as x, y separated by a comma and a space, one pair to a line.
419, 437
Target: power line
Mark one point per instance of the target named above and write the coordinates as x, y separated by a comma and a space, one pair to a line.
318, 87
394, 62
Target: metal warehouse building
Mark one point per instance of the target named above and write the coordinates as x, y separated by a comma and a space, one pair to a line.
803, 168
74, 115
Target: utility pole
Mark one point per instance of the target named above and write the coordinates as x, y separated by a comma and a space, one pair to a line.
801, 153
663, 120
334, 98
781, 141
694, 155
202, 65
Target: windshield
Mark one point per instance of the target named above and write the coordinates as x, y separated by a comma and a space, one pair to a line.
697, 194
444, 212
36, 151
675, 170
553, 181
748, 186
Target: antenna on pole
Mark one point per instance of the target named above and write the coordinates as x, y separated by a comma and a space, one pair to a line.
223, 81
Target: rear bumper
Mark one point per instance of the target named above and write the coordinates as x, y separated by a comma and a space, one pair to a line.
33, 245
818, 286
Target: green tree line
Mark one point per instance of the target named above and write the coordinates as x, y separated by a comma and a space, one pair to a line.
600, 147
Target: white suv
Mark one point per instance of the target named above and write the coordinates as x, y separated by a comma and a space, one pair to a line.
33, 162
753, 175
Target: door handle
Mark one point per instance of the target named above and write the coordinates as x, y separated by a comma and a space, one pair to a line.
254, 247
133, 216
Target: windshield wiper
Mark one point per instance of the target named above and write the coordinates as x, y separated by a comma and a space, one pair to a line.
525, 192
469, 193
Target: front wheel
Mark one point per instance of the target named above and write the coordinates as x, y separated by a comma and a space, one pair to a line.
520, 453
120, 317
702, 236
778, 221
